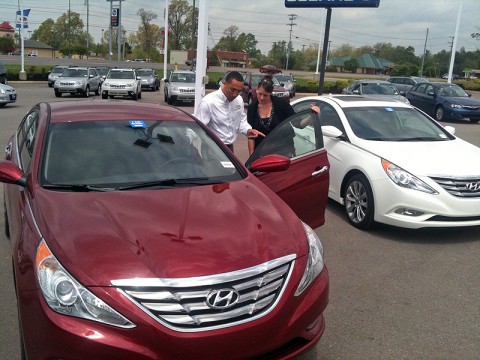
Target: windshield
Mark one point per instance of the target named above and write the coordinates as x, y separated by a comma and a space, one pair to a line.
183, 78
384, 89
256, 79
118, 154
103, 72
283, 78
118, 74
393, 124
451, 90
57, 70
75, 73
144, 72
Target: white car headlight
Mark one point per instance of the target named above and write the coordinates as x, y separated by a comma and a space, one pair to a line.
315, 260
130, 85
405, 179
67, 296
2, 91
456, 106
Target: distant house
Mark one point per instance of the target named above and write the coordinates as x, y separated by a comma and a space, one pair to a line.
367, 64
226, 59
37, 48
6, 30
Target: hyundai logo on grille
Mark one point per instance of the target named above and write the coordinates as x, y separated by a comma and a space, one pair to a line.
223, 298
472, 186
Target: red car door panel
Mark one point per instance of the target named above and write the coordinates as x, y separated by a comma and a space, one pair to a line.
304, 185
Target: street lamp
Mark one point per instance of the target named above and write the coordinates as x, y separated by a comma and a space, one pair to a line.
101, 41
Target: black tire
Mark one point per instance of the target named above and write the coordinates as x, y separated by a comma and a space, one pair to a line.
165, 97
170, 101
104, 96
474, 120
7, 225
135, 96
97, 91
359, 204
110, 96
87, 91
58, 94
140, 95
439, 113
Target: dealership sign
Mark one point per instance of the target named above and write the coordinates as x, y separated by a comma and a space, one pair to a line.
331, 3
115, 17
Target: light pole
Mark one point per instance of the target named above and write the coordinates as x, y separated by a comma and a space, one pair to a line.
101, 40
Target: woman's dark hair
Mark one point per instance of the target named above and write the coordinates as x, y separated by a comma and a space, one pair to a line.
266, 83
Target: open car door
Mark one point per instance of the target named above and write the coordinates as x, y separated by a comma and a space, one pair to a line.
304, 184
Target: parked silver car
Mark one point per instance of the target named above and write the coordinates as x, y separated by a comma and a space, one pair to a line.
149, 79
55, 73
405, 83
180, 86
288, 82
77, 81
7, 95
122, 82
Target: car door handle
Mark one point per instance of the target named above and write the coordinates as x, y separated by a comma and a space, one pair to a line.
321, 171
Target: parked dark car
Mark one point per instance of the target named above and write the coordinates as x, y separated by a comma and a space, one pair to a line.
251, 80
288, 82
405, 83
444, 101
269, 69
3, 75
136, 234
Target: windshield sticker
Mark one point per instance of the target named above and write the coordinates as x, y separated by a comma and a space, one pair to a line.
137, 124
442, 135
227, 164
389, 109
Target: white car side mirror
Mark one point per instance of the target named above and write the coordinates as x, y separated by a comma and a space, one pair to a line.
331, 131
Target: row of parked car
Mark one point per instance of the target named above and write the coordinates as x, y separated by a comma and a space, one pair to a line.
113, 82
441, 100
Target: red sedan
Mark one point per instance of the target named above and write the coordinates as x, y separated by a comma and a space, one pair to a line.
136, 234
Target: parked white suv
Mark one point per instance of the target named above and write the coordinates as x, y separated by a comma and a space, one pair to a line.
122, 82
77, 81
180, 86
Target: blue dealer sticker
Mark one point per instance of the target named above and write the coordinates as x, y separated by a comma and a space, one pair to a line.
137, 124
389, 109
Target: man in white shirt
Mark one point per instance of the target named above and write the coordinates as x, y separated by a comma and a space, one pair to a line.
222, 111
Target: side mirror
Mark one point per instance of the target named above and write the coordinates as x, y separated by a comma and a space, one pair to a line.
331, 131
270, 163
431, 93
166, 80
12, 174
356, 92
205, 80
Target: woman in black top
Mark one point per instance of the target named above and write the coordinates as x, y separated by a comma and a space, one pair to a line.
266, 112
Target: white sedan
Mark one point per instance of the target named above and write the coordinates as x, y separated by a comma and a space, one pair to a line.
392, 164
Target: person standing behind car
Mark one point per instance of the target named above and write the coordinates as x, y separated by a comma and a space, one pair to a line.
222, 111
268, 111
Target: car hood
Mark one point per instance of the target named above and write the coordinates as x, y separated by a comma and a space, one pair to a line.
182, 84
6, 87
167, 233
429, 158
460, 100
73, 78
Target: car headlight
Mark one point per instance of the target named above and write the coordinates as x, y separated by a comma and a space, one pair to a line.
405, 179
105, 84
67, 296
130, 85
456, 106
315, 260
2, 91
79, 83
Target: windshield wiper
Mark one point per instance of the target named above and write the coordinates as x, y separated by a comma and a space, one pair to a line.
77, 187
422, 138
169, 183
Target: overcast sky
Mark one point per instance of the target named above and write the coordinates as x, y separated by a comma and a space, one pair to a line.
399, 22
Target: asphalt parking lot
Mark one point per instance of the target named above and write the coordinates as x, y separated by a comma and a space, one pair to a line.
394, 293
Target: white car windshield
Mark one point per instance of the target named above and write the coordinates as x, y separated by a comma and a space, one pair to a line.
75, 73
121, 75
393, 124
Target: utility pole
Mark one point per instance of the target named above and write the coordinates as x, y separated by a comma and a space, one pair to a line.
291, 17
69, 32
119, 30
424, 51
88, 34
193, 34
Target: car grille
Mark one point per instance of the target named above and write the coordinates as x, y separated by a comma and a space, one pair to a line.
211, 302
117, 86
11, 91
460, 187
187, 90
67, 83
471, 107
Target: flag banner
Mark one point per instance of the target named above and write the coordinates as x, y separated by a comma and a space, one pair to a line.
22, 19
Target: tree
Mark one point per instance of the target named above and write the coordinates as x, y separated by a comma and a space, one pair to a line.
228, 42
6, 44
148, 34
183, 27
351, 65
46, 33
